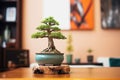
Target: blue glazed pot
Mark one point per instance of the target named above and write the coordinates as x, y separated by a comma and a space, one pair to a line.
69, 58
49, 58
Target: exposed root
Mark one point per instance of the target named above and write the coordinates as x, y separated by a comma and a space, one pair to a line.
50, 50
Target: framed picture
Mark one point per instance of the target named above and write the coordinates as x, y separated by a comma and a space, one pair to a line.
71, 14
16, 58
11, 14
81, 14
110, 14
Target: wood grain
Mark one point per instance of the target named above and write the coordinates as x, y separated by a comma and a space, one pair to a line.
82, 73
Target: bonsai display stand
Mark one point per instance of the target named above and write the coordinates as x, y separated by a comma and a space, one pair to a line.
63, 69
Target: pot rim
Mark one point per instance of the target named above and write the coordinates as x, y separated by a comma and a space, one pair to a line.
49, 53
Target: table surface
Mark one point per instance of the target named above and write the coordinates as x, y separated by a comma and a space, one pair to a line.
103, 72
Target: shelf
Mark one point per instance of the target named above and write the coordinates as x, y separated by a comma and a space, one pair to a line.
8, 1
4, 22
85, 63
10, 29
11, 45
13, 22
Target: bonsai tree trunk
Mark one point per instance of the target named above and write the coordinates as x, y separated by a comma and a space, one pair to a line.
50, 44
51, 47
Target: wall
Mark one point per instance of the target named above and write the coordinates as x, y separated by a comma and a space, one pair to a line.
103, 42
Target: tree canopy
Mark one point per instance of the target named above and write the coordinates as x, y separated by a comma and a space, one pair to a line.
49, 27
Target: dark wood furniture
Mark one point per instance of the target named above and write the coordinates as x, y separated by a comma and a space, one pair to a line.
1, 59
104, 73
10, 28
10, 9
16, 58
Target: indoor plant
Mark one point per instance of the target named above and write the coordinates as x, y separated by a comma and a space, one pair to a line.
90, 57
49, 29
69, 48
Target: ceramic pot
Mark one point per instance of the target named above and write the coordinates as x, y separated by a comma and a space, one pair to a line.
69, 58
90, 58
77, 60
49, 58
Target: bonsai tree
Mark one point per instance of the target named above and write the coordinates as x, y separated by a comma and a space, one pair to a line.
49, 29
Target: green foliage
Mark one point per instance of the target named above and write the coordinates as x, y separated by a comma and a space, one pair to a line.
69, 42
39, 35
89, 50
70, 48
50, 21
57, 35
55, 28
43, 27
48, 28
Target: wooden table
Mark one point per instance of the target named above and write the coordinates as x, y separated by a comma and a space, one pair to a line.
81, 73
